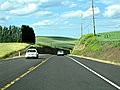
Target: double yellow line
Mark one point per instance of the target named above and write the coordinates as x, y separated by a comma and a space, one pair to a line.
29, 70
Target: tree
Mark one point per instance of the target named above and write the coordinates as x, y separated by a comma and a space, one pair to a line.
28, 34
5, 34
0, 33
10, 34
17, 34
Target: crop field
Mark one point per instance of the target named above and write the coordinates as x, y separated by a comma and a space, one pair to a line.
57, 42
109, 36
8, 48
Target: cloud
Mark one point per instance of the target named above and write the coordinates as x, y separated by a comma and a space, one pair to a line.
64, 19
73, 5
66, 2
39, 23
72, 14
80, 0
5, 18
109, 2
33, 1
112, 11
77, 14
6, 6
44, 14
44, 23
25, 7
30, 8
50, 4
89, 12
86, 5
52, 22
69, 4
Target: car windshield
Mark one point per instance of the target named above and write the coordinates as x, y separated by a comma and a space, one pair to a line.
31, 51
60, 51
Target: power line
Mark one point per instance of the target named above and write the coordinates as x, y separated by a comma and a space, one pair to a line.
87, 26
93, 20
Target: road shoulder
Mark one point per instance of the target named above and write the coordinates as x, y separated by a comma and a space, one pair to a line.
99, 60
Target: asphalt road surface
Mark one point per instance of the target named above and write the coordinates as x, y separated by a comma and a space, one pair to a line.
50, 72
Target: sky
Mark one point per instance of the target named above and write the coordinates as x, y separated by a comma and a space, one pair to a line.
61, 17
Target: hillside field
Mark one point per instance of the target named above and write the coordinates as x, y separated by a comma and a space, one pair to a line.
8, 48
56, 42
104, 46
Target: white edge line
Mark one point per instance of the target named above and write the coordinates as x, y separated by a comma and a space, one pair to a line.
102, 77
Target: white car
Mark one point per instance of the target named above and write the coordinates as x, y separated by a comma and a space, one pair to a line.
60, 53
31, 53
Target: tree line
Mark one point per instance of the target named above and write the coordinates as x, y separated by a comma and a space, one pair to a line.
17, 34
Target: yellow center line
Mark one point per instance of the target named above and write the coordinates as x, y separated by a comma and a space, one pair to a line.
24, 74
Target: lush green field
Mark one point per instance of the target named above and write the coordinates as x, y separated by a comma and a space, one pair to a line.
109, 36
58, 42
8, 48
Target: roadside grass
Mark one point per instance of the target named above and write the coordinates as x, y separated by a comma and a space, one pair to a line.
56, 42
8, 48
101, 41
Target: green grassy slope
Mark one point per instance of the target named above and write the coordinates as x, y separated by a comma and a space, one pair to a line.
7, 48
103, 46
58, 42
109, 36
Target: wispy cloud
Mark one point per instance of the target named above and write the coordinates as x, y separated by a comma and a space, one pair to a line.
77, 14
53, 22
44, 23
112, 11
7, 6
64, 19
109, 2
80, 0
69, 4
4, 18
73, 5
30, 8
41, 14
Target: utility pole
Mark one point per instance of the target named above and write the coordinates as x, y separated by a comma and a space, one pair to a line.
81, 30
81, 26
93, 17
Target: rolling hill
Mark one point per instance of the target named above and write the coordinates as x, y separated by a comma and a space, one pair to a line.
56, 42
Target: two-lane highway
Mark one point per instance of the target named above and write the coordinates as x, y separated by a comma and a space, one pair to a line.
58, 73
13, 68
